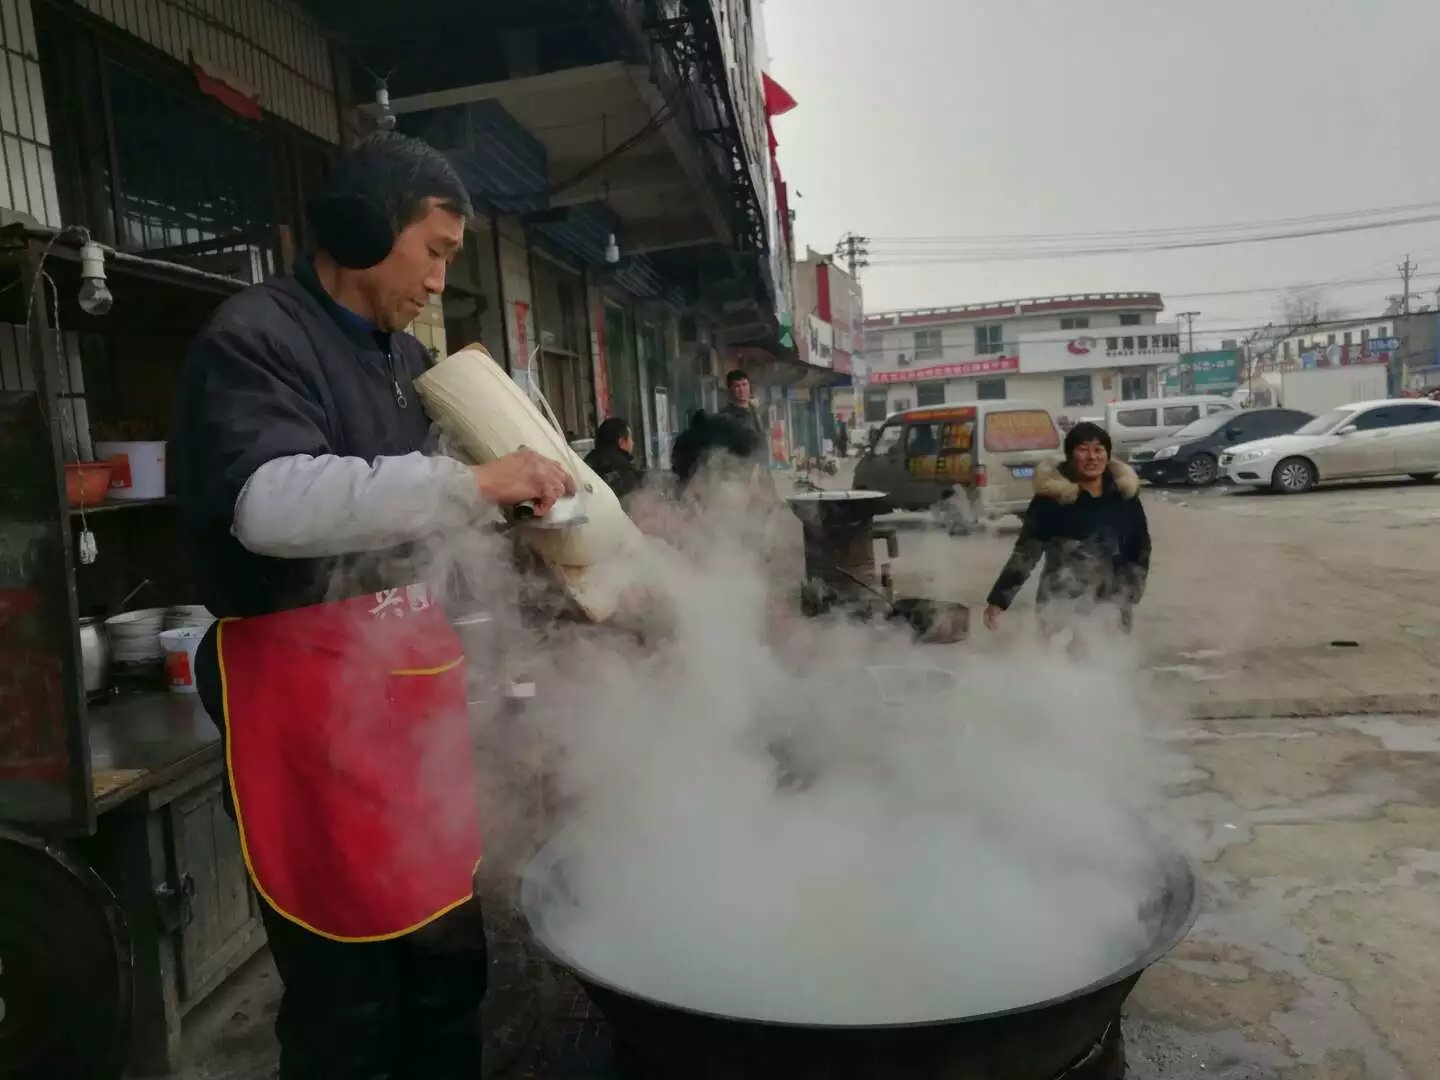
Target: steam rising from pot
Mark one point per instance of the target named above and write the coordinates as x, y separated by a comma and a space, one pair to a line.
759, 825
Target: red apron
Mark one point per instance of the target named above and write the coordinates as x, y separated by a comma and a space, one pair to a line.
348, 750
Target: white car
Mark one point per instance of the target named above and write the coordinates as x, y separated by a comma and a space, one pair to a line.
1399, 437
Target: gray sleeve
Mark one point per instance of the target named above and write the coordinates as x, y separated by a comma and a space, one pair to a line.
304, 507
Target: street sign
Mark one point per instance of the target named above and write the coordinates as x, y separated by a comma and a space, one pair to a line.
1382, 345
1207, 372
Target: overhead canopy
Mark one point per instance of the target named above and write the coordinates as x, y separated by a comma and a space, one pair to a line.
609, 136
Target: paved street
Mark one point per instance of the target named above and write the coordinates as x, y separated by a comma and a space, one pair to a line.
1318, 954
1249, 592
1305, 771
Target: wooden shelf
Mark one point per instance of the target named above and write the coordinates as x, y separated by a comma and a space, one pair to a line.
123, 504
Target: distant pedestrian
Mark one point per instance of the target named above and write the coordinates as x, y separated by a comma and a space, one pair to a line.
842, 440
1087, 523
613, 457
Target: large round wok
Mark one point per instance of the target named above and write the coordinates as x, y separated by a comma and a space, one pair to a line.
1032, 1042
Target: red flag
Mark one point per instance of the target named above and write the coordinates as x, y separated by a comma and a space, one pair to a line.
777, 99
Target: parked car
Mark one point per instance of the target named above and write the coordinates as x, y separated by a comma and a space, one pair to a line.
1192, 455
986, 450
1370, 439
1131, 424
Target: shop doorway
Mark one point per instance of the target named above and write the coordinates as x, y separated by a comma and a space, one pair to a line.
471, 301
621, 368
562, 366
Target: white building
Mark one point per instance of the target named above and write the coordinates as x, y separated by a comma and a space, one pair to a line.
1335, 344
1072, 354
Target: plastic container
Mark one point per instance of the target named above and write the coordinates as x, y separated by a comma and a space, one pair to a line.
86, 482
137, 469
180, 646
183, 615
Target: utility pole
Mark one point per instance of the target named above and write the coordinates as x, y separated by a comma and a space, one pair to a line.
1407, 271
855, 251
1187, 371
1190, 317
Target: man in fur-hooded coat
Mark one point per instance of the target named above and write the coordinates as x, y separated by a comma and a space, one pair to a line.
1087, 523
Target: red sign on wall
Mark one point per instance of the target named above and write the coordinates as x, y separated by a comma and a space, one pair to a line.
947, 371
522, 337
602, 370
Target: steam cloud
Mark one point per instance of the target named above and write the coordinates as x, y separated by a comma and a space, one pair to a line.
928, 854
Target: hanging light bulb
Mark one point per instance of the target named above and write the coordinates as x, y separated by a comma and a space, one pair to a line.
95, 296
612, 250
386, 120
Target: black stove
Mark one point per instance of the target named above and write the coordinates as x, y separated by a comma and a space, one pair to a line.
575, 1043
542, 1026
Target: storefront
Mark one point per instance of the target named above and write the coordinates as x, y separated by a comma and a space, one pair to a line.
621, 369
804, 432
115, 850
562, 366
654, 386
471, 304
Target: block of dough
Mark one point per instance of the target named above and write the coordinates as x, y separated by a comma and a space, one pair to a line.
486, 415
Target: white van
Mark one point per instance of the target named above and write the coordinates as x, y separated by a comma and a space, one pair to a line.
1131, 423
986, 449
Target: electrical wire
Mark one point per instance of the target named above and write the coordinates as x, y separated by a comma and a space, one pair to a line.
657, 120
1308, 219
983, 256
1296, 287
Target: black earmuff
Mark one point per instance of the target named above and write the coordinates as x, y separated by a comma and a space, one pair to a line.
349, 226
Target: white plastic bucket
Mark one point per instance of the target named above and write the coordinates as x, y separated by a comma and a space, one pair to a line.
137, 469
180, 646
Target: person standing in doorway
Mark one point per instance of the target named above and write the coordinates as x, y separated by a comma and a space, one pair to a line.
1087, 523
307, 500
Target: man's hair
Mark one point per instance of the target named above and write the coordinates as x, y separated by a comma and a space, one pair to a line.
611, 431
734, 376
399, 175
1085, 432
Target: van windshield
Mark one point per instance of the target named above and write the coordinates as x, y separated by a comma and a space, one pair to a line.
1020, 429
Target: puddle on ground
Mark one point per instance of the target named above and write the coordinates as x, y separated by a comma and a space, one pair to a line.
1205, 735
1193, 672
1418, 736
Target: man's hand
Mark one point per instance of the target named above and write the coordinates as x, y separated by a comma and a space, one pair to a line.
992, 618
523, 476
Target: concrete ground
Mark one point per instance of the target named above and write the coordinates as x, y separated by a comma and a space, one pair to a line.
1297, 637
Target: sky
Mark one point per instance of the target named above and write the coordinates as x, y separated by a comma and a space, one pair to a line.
964, 117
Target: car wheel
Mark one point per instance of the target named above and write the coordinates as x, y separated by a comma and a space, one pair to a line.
1292, 476
1423, 477
1200, 472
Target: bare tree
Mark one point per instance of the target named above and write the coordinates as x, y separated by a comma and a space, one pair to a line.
1305, 307
1296, 311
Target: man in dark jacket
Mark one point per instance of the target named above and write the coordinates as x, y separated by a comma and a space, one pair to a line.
612, 457
307, 500
739, 413
687, 455
1087, 523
